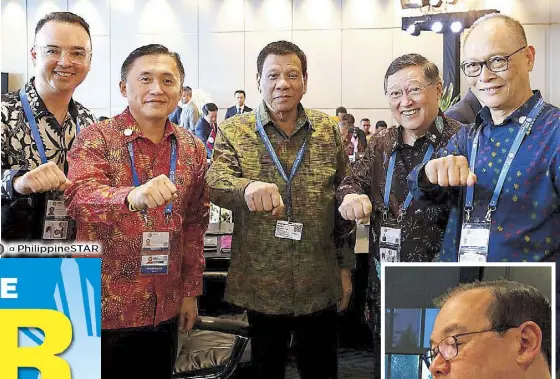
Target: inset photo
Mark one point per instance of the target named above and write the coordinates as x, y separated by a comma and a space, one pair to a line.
464, 322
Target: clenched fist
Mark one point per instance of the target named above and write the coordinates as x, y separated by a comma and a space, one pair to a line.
261, 196
450, 171
355, 207
46, 177
155, 193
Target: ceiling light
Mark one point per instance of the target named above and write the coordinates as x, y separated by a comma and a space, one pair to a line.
414, 3
456, 26
411, 29
437, 27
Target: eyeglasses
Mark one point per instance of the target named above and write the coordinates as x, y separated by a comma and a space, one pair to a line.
414, 92
55, 54
497, 63
448, 347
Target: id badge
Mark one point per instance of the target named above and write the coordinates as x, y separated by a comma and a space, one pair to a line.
473, 246
155, 253
288, 230
389, 244
56, 224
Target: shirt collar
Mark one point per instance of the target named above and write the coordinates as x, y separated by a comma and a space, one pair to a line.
484, 116
302, 118
126, 124
38, 105
433, 134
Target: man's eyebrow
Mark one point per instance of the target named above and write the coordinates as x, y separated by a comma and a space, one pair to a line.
498, 54
449, 331
71, 47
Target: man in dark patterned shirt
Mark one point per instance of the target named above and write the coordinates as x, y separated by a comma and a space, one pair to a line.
277, 168
401, 230
39, 124
413, 87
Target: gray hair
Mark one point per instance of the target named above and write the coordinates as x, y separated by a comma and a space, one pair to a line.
429, 69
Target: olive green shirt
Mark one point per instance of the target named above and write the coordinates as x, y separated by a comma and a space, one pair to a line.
269, 274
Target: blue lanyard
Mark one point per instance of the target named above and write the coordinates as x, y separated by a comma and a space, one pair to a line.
389, 181
525, 129
172, 169
33, 124
297, 163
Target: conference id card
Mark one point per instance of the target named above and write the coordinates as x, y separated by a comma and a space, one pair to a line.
155, 253
390, 244
474, 241
57, 224
288, 230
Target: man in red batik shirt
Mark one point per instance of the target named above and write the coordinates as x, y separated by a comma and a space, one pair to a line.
138, 188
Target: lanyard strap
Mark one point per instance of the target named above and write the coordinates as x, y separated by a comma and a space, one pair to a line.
389, 181
172, 169
33, 124
297, 163
525, 129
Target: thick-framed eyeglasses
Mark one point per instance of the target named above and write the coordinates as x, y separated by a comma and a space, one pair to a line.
55, 54
414, 92
449, 348
497, 63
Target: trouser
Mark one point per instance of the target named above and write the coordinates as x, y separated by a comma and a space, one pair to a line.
144, 352
315, 339
373, 317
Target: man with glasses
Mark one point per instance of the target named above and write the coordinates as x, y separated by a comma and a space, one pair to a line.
401, 230
496, 329
511, 153
39, 125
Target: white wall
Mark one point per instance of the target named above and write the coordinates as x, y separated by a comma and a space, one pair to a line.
349, 44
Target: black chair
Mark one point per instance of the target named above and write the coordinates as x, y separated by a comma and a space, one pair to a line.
213, 349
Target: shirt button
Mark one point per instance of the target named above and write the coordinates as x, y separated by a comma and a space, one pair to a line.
483, 170
415, 153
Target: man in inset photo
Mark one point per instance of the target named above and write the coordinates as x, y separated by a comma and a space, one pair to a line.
485, 322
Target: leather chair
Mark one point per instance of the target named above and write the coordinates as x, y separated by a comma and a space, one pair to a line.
213, 349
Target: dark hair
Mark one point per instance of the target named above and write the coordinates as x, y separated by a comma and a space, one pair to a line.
514, 303
281, 48
152, 49
364, 119
239, 91
380, 124
341, 110
510, 22
68, 17
187, 88
103, 118
350, 118
209, 107
429, 69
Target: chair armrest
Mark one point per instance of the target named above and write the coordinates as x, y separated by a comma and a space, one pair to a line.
240, 328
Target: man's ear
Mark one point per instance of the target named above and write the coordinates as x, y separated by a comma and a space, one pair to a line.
122, 87
439, 89
305, 83
258, 77
530, 55
33, 53
530, 343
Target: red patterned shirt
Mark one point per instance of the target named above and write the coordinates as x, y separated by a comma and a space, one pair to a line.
101, 175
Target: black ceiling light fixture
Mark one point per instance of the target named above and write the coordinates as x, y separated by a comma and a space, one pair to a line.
450, 25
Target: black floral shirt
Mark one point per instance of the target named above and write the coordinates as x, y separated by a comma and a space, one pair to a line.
21, 215
424, 223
